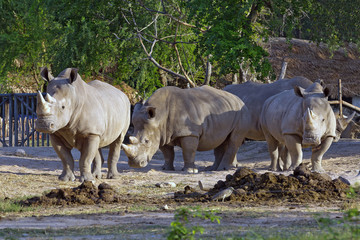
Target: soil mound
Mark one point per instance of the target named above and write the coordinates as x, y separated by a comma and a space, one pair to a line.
85, 194
245, 185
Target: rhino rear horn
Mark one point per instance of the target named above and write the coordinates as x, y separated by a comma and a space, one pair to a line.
50, 99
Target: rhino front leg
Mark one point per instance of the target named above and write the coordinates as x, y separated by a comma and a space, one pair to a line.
98, 161
89, 149
169, 155
67, 159
189, 146
113, 158
318, 153
293, 145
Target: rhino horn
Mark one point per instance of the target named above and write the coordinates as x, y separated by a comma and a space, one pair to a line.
348, 120
42, 106
50, 99
133, 140
129, 150
309, 116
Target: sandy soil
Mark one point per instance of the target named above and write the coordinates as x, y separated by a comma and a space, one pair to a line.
37, 171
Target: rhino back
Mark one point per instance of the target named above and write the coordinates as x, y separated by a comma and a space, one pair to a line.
203, 112
281, 113
105, 111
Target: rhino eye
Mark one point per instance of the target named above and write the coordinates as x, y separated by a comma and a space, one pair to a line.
146, 140
63, 107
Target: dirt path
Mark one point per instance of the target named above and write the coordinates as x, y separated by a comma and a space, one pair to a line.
37, 172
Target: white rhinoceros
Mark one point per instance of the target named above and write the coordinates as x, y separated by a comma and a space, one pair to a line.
83, 116
299, 118
254, 96
197, 119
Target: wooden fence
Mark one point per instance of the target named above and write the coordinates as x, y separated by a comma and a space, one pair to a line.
17, 121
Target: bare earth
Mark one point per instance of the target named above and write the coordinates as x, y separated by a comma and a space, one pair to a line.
37, 172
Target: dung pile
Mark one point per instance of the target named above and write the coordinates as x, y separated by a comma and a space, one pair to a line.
303, 186
85, 194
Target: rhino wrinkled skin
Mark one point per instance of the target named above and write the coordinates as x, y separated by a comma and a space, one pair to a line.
197, 119
299, 118
86, 116
254, 96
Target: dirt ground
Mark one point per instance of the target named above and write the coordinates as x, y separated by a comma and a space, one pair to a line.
135, 199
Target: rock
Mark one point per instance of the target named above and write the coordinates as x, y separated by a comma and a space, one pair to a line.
20, 152
165, 184
165, 207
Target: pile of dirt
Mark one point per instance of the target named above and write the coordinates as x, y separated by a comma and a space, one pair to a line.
85, 194
302, 187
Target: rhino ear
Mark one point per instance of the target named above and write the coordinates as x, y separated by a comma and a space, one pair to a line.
151, 112
73, 75
326, 91
45, 74
299, 91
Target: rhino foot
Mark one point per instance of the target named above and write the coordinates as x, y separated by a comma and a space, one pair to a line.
211, 168
222, 167
66, 176
111, 175
97, 174
87, 177
190, 170
167, 167
318, 170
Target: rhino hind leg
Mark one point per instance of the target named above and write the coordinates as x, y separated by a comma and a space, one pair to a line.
318, 153
189, 146
232, 144
219, 153
98, 161
113, 158
67, 159
169, 155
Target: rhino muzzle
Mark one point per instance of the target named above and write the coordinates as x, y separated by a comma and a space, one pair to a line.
311, 141
45, 125
135, 160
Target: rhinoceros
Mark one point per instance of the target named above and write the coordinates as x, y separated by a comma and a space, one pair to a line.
254, 96
299, 118
197, 119
86, 116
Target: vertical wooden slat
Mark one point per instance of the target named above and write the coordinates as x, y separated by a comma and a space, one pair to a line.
340, 99
16, 118
10, 120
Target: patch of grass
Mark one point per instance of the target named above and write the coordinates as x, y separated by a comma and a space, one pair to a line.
8, 205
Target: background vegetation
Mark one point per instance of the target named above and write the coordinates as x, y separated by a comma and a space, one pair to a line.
152, 43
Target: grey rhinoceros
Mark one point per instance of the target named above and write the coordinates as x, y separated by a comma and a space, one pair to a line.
197, 119
86, 116
299, 118
254, 96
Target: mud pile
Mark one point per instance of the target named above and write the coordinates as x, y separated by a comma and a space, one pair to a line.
85, 194
302, 186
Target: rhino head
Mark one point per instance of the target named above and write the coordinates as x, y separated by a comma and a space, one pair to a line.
318, 119
146, 138
55, 110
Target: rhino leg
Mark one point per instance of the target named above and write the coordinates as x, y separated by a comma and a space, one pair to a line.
98, 161
219, 153
189, 146
318, 152
113, 158
293, 144
67, 159
233, 143
273, 148
284, 159
89, 149
169, 155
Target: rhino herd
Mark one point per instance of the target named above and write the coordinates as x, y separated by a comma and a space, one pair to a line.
289, 114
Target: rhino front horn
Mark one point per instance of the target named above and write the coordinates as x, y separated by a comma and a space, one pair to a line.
42, 106
129, 150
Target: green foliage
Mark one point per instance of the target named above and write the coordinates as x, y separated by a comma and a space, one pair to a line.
12, 206
180, 228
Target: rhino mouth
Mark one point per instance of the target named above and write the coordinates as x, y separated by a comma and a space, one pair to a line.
45, 126
311, 141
